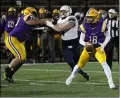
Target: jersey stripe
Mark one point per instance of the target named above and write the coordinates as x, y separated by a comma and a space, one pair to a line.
13, 47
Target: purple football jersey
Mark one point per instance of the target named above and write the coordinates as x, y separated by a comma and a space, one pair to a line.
94, 33
8, 23
21, 30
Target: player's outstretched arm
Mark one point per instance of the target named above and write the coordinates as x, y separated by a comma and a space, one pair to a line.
60, 28
107, 38
37, 22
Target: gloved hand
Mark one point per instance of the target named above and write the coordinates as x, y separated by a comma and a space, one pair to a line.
102, 46
48, 23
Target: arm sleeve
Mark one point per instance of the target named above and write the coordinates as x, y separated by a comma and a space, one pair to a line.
107, 39
82, 37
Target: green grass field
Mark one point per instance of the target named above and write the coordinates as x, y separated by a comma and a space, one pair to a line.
48, 80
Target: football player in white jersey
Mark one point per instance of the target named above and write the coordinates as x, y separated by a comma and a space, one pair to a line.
67, 25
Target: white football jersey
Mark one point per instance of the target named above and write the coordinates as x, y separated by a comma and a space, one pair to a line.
73, 32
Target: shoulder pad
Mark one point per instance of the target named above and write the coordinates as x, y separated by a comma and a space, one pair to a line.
82, 28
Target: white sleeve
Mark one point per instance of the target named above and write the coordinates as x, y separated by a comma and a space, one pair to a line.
107, 39
82, 37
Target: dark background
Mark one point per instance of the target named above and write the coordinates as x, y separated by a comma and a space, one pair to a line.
77, 5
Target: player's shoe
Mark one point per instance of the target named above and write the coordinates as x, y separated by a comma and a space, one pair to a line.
7, 75
111, 85
11, 80
69, 80
86, 76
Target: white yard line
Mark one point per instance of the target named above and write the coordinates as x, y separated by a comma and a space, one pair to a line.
63, 70
4, 85
62, 82
58, 63
36, 84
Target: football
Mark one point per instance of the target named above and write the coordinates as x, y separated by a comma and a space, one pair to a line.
89, 47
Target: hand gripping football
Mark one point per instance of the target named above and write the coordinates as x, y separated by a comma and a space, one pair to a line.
89, 47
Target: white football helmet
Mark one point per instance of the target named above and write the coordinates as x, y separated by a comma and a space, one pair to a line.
65, 11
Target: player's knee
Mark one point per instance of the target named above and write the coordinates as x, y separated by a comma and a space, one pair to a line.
102, 61
23, 58
81, 64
